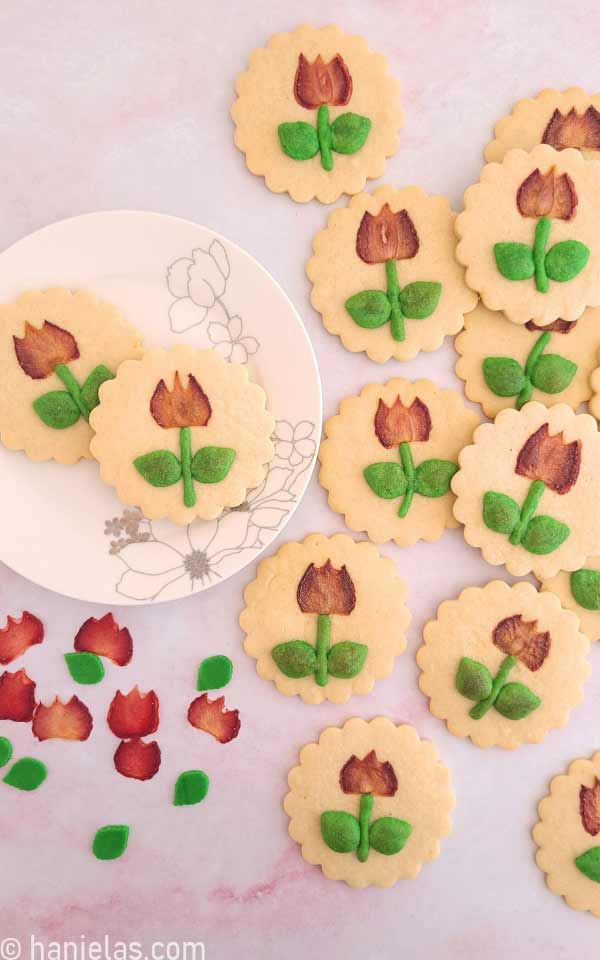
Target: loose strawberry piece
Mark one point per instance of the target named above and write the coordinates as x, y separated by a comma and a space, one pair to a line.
17, 696
105, 638
211, 716
137, 759
134, 714
62, 721
18, 635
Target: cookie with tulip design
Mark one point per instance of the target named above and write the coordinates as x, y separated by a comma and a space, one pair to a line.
370, 802
384, 275
182, 434
317, 113
503, 665
528, 235
580, 591
325, 618
389, 456
528, 487
57, 347
568, 835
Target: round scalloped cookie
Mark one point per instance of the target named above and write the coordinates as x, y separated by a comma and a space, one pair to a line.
567, 831
580, 591
539, 471
549, 118
487, 625
418, 249
51, 342
407, 781
516, 219
401, 425
281, 88
347, 588
182, 434
488, 335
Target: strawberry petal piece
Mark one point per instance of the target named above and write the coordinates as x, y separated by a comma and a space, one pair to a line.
134, 714
62, 721
138, 760
17, 697
105, 638
18, 635
212, 717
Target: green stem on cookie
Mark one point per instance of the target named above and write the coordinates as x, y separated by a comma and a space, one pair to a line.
324, 135
542, 232
364, 817
393, 293
530, 504
322, 649
62, 371
530, 365
185, 446
480, 709
409, 473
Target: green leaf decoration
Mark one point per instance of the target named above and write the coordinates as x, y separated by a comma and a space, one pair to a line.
566, 259
349, 132
473, 679
500, 513
585, 587
345, 660
214, 672
92, 384
57, 409
589, 864
388, 835
544, 534
161, 468
6, 751
514, 260
299, 140
295, 658
110, 842
418, 300
503, 376
386, 479
26, 774
552, 373
212, 464
432, 477
85, 668
369, 308
340, 831
516, 701
191, 788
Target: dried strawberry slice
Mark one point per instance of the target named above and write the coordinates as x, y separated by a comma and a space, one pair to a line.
62, 721
105, 638
18, 635
134, 714
211, 716
137, 759
17, 696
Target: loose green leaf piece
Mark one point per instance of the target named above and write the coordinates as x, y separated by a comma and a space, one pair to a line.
191, 788
214, 672
589, 864
6, 751
473, 679
26, 774
161, 468
585, 587
388, 835
110, 842
340, 831
85, 668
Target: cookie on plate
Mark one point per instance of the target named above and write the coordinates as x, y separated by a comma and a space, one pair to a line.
317, 113
182, 434
503, 665
370, 802
580, 591
325, 618
57, 347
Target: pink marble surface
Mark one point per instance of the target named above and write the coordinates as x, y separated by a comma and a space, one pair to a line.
125, 105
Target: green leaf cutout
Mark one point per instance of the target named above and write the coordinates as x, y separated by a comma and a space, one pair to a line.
161, 468
566, 259
503, 376
432, 477
26, 774
85, 668
92, 384
110, 842
212, 464
516, 701
299, 140
214, 672
552, 373
585, 587
514, 260
191, 788
418, 300
295, 658
500, 513
386, 479
6, 751
346, 659
349, 132
369, 308
57, 409
589, 864
388, 835
340, 831
544, 535
473, 679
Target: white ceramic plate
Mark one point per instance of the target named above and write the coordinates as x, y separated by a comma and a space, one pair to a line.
176, 282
